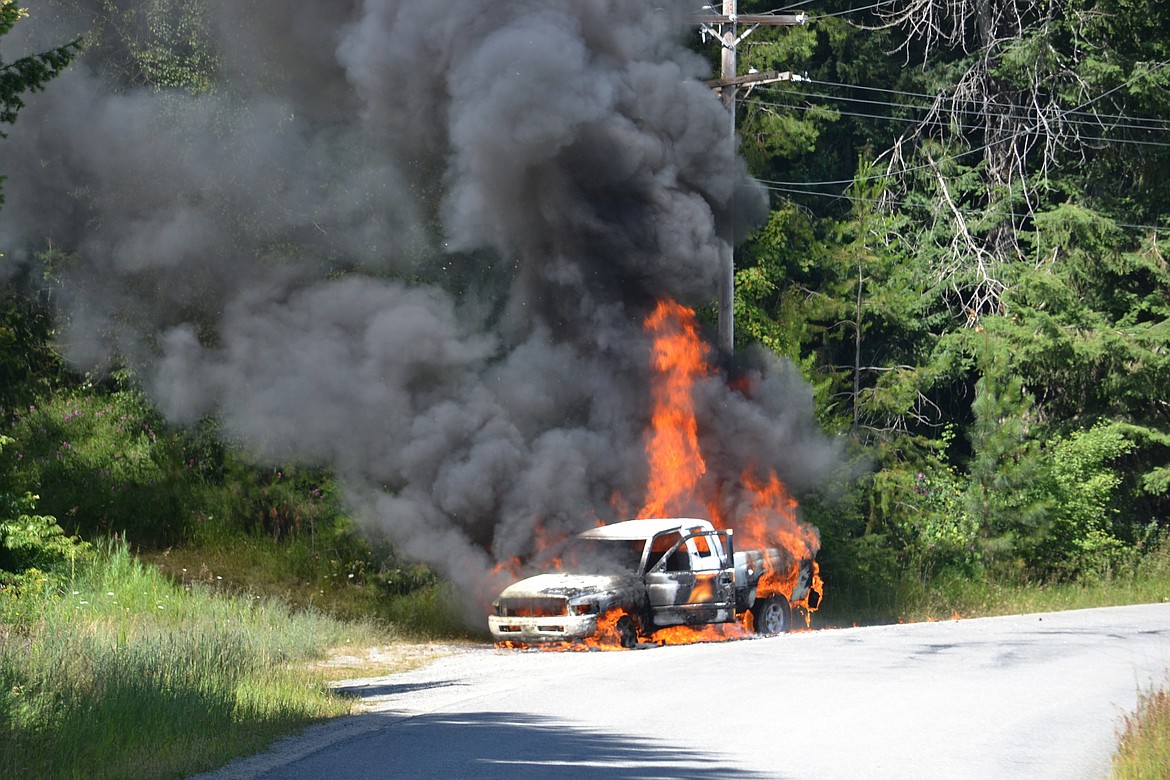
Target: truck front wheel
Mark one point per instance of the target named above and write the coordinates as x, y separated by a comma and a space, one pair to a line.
627, 632
772, 616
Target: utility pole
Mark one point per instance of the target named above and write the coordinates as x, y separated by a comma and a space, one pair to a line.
725, 27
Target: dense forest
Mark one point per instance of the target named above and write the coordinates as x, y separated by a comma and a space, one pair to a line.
963, 255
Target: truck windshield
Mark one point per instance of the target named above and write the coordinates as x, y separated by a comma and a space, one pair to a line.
604, 556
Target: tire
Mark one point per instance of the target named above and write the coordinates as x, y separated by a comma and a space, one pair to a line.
627, 632
772, 616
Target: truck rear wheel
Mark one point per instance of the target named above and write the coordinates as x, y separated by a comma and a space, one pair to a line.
772, 616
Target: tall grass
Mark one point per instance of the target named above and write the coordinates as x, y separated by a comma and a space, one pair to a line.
126, 675
1146, 580
347, 584
1143, 751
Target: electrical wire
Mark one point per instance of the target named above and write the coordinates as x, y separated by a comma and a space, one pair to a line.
789, 7
846, 12
966, 212
942, 123
984, 147
967, 112
1006, 106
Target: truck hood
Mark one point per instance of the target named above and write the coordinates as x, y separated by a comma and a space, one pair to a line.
567, 585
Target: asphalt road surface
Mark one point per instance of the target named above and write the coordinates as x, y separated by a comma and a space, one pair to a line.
1030, 696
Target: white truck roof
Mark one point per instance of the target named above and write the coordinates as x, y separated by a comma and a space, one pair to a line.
632, 530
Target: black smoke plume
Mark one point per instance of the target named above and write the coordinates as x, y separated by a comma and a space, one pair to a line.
411, 240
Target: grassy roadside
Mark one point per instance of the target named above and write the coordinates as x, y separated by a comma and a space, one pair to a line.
132, 671
1143, 751
343, 584
1146, 581
125, 674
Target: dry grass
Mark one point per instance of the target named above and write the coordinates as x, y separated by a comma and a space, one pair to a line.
380, 660
1143, 751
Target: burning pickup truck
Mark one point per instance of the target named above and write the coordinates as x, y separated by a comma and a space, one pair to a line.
640, 576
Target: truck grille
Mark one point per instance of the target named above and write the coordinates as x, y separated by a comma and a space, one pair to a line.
551, 606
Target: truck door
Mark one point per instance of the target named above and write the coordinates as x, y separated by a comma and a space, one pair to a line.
687, 582
713, 593
669, 579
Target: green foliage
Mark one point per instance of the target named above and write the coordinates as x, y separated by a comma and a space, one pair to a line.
1081, 485
917, 509
1141, 579
29, 73
159, 44
29, 364
104, 464
34, 550
175, 50
126, 675
26, 74
107, 465
1005, 464
977, 310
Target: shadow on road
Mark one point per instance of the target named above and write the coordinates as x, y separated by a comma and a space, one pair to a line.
505, 745
370, 691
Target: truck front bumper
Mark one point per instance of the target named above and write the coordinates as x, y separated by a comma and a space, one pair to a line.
533, 630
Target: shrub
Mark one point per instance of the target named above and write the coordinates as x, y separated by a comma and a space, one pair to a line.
33, 548
104, 464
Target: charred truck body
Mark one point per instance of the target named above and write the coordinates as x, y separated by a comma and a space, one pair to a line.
651, 574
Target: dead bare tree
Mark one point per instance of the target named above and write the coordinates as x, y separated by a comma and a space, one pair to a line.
1005, 118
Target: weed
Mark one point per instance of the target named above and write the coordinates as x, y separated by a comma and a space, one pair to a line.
125, 674
1143, 751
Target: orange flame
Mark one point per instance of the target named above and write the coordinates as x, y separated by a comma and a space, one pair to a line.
678, 484
678, 359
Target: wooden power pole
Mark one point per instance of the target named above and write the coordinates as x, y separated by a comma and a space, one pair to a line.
726, 28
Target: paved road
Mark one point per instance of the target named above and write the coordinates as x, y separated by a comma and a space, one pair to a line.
1035, 696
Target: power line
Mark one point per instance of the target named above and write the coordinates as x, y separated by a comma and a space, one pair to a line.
849, 11
968, 112
984, 147
789, 7
966, 212
1006, 106
943, 123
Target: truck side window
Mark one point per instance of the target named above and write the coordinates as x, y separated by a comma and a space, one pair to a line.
702, 546
660, 546
679, 560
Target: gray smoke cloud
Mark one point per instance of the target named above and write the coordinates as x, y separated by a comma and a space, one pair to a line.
411, 240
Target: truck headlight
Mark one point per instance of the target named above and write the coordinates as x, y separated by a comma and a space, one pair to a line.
582, 608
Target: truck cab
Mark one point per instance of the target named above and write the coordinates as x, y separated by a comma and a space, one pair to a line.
686, 568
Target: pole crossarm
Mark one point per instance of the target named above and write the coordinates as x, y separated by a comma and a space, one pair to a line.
766, 20
754, 79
